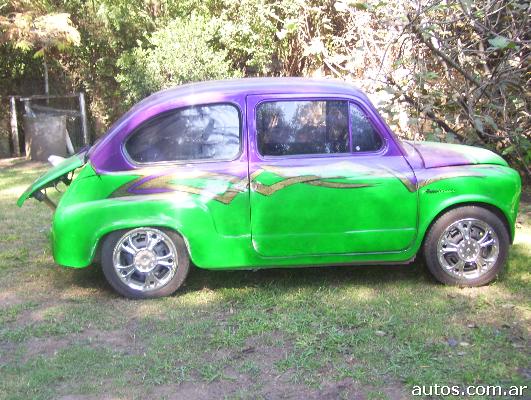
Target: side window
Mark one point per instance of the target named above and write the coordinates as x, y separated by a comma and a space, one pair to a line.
302, 127
364, 136
209, 132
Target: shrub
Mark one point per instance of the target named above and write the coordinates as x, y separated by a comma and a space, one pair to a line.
183, 51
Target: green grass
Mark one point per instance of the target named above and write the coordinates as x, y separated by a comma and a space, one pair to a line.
371, 331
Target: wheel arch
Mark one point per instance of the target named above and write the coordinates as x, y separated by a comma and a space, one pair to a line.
488, 206
96, 252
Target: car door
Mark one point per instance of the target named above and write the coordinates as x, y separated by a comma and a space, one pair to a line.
325, 180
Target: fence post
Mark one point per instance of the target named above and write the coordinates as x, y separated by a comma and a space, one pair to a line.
14, 126
83, 111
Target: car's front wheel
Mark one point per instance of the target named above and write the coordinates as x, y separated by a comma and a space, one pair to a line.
145, 262
466, 246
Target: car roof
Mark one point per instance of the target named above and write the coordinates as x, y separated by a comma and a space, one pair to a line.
249, 86
102, 157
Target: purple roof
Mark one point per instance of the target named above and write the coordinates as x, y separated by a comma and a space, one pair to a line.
106, 154
249, 86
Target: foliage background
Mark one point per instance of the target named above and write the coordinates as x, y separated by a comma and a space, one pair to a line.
454, 70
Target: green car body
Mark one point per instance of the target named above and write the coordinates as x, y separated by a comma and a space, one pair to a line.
253, 211
219, 238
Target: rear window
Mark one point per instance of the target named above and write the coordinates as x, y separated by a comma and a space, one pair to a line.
206, 132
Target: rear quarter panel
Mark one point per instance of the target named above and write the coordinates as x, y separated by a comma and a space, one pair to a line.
96, 205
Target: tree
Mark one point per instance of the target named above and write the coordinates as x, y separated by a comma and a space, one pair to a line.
26, 31
178, 53
472, 62
459, 68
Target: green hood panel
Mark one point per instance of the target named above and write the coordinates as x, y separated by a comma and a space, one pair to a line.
54, 175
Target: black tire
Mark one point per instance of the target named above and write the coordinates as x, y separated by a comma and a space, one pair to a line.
183, 266
438, 229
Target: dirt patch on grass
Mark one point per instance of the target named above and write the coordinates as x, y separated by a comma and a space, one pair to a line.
92, 397
10, 298
37, 314
268, 349
122, 340
263, 354
117, 340
223, 389
46, 347
276, 389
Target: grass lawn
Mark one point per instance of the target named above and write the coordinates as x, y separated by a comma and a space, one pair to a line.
310, 333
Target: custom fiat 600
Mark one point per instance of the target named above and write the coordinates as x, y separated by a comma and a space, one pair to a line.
259, 173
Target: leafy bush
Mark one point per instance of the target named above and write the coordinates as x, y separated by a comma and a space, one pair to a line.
247, 32
182, 51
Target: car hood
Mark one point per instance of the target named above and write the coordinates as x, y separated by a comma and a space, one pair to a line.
436, 155
53, 176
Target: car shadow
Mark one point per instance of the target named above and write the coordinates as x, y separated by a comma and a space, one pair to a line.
307, 277
296, 277
285, 278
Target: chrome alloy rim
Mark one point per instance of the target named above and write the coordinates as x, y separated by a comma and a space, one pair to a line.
468, 248
145, 259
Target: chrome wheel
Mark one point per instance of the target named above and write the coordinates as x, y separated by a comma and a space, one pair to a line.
145, 259
468, 248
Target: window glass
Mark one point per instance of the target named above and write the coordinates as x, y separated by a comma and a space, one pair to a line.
302, 127
192, 133
364, 136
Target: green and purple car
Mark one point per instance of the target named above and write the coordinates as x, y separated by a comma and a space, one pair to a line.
274, 172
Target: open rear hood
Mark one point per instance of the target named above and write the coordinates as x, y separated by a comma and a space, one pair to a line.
57, 174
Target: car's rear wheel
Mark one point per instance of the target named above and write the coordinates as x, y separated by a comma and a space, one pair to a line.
466, 246
145, 262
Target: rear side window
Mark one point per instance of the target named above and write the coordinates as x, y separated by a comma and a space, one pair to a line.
208, 132
302, 127
364, 136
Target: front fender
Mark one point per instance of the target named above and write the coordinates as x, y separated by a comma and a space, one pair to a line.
444, 188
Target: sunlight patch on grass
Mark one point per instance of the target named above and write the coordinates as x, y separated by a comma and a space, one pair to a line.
523, 238
202, 297
78, 292
358, 294
12, 192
